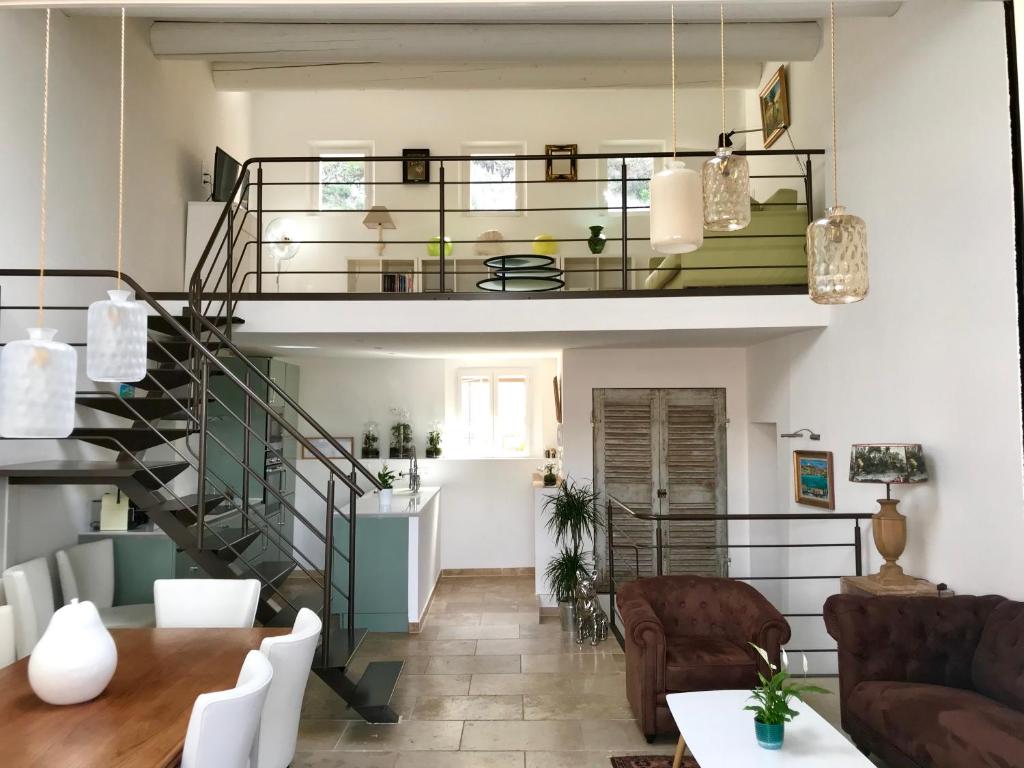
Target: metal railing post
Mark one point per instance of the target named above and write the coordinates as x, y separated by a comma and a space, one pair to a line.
204, 385
231, 269
857, 548
246, 458
611, 571
351, 616
809, 189
325, 640
442, 272
625, 232
259, 228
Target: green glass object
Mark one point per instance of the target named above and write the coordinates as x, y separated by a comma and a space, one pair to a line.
434, 247
597, 239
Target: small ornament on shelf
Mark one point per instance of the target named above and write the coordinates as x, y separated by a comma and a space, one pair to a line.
371, 441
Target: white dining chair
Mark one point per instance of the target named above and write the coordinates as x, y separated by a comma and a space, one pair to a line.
291, 657
86, 572
206, 603
7, 651
222, 729
30, 595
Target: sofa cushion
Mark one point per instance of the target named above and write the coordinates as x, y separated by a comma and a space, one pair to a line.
989, 739
705, 662
998, 668
913, 717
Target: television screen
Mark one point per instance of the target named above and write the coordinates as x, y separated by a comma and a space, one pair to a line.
225, 173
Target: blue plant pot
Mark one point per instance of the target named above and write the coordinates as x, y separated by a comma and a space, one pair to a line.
769, 736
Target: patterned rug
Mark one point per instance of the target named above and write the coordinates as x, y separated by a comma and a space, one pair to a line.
651, 761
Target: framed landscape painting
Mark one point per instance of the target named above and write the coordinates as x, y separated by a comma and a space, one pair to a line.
813, 483
774, 100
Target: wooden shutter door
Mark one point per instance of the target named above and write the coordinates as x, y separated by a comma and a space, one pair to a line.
626, 448
693, 474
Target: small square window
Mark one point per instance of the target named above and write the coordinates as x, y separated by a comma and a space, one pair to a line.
639, 171
494, 412
343, 182
494, 178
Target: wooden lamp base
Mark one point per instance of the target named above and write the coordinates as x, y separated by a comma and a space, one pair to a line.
889, 528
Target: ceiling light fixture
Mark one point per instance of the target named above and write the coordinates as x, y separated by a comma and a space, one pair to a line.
116, 334
725, 177
38, 374
837, 248
677, 216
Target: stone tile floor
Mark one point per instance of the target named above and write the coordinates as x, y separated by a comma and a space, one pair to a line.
486, 686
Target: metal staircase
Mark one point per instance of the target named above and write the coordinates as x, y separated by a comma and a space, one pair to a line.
217, 520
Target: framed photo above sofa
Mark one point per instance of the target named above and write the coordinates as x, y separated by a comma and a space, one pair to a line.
813, 482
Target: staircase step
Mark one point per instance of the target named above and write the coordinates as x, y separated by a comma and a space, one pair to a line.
133, 439
172, 351
269, 572
188, 516
164, 472
88, 472
238, 541
160, 325
371, 696
168, 378
136, 408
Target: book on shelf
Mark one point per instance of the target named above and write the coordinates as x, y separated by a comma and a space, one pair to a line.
393, 282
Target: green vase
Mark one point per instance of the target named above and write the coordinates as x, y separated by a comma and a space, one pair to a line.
769, 735
597, 239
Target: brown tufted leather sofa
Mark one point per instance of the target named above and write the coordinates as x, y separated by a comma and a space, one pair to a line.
691, 633
928, 682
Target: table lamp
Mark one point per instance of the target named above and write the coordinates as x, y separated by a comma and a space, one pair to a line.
380, 219
888, 463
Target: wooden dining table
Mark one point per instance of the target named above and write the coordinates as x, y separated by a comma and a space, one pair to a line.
140, 720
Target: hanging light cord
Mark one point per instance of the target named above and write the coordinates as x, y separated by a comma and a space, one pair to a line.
120, 167
42, 171
673, 25
721, 41
835, 130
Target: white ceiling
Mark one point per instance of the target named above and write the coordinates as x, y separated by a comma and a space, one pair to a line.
441, 345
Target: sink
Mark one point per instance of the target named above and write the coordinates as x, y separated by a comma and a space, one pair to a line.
404, 492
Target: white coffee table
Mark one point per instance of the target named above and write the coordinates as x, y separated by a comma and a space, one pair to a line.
720, 734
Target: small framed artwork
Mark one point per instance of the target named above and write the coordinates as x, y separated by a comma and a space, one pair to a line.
774, 100
561, 163
417, 169
328, 450
812, 479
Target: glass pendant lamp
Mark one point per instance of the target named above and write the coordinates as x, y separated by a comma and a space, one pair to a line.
677, 216
837, 243
38, 374
725, 177
116, 337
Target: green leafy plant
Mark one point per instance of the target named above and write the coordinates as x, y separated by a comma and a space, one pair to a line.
434, 443
772, 697
386, 478
572, 519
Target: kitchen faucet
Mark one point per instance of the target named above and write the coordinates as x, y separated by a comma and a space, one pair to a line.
414, 472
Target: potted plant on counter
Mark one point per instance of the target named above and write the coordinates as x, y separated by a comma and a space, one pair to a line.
371, 449
771, 708
386, 478
434, 441
572, 520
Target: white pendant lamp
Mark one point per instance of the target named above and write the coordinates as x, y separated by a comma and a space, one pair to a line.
677, 216
726, 177
837, 247
38, 374
116, 337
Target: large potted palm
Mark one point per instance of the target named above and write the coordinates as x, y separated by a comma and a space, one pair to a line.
572, 520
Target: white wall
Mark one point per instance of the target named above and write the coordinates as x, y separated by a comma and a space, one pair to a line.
932, 354
486, 504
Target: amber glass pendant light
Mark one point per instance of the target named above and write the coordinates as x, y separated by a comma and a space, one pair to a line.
726, 177
837, 244
677, 218
116, 336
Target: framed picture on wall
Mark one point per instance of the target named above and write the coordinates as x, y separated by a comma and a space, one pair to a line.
416, 170
561, 163
328, 450
774, 100
813, 483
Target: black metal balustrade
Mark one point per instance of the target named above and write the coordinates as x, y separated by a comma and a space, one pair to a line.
659, 547
236, 262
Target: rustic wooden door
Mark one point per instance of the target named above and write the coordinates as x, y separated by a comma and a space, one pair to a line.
661, 451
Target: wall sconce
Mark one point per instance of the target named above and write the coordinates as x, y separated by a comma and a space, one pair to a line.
811, 434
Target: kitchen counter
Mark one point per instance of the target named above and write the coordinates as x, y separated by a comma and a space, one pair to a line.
403, 503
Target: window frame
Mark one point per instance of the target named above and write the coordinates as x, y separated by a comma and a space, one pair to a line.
340, 149
493, 375
625, 146
491, 148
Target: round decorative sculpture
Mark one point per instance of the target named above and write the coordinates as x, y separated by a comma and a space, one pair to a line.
434, 247
75, 658
490, 243
522, 274
116, 339
545, 245
37, 386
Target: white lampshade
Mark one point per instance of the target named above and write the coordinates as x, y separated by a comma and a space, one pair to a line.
281, 238
726, 180
116, 339
677, 210
37, 386
837, 258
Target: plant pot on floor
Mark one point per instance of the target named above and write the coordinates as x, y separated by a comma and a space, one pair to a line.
769, 735
567, 615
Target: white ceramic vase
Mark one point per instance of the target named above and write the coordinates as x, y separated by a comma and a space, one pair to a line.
75, 658
385, 499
